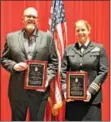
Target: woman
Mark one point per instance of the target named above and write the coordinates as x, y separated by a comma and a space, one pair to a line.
91, 59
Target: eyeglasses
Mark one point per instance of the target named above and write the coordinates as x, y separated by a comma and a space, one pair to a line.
29, 16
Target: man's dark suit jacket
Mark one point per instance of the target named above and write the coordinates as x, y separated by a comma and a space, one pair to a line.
93, 60
14, 52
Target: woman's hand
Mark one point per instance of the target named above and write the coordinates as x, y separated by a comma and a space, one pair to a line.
69, 100
88, 97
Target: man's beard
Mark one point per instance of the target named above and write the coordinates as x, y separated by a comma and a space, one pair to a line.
30, 28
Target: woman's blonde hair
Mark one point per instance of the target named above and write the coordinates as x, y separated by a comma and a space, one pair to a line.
85, 22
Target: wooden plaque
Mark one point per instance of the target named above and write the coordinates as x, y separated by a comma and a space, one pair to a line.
77, 83
35, 75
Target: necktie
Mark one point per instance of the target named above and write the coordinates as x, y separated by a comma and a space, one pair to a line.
82, 48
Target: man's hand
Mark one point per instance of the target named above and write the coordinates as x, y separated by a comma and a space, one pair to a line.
41, 90
20, 66
46, 85
88, 97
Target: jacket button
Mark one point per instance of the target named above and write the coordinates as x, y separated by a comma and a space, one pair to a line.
80, 64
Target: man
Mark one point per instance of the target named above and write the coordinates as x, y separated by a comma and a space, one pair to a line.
28, 44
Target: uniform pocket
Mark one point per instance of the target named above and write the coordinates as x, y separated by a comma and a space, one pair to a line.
94, 54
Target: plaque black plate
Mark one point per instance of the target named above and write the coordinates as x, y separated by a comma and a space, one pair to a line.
76, 85
35, 75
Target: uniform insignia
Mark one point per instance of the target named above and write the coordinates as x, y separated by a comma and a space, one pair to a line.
96, 49
95, 86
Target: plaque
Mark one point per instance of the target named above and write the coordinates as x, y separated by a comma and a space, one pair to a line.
35, 75
77, 85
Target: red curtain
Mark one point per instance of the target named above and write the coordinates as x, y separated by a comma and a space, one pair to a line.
95, 12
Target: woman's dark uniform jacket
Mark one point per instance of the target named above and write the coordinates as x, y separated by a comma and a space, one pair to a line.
93, 60
14, 52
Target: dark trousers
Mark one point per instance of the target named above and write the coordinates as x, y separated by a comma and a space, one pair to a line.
82, 111
36, 104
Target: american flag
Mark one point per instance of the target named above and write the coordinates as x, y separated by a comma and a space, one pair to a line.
59, 30
58, 23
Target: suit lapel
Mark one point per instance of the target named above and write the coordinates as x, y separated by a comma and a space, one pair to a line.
77, 49
21, 42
